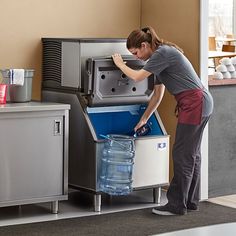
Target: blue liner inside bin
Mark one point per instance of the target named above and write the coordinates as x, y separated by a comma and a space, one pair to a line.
120, 120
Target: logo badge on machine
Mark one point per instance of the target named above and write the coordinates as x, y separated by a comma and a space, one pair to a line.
161, 146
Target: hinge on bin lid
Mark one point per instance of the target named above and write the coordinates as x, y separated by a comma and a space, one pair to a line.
89, 69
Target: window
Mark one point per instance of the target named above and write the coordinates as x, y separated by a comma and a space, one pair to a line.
222, 17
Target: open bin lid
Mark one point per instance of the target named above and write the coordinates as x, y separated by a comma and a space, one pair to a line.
106, 84
121, 120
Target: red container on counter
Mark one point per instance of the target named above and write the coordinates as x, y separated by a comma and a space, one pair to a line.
3, 93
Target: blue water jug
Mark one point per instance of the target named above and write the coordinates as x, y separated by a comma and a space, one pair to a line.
117, 165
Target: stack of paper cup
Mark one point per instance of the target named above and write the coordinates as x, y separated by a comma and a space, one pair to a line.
226, 69
233, 61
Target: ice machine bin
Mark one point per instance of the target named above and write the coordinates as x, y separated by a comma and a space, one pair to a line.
151, 163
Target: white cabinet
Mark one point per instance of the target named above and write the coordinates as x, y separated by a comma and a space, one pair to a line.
33, 153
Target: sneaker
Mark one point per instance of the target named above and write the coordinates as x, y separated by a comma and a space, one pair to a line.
192, 207
168, 210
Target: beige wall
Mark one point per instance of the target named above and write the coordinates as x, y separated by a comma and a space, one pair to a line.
176, 21
23, 23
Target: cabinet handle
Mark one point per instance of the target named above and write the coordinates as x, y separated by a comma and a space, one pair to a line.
57, 127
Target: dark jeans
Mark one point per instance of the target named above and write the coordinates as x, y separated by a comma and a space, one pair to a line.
184, 189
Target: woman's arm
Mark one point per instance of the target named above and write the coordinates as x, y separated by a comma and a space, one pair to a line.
136, 75
139, 75
152, 105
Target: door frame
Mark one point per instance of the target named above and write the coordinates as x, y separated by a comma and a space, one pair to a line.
204, 6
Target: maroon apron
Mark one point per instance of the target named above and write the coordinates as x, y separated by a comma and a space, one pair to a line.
189, 106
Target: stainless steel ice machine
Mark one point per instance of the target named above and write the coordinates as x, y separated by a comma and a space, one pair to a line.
103, 101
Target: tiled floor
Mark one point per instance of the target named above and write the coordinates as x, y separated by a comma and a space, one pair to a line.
228, 229
229, 200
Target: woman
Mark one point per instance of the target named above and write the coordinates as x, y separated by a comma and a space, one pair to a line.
174, 72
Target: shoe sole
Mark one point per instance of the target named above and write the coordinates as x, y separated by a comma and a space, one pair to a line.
162, 213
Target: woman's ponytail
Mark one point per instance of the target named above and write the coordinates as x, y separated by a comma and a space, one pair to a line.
147, 34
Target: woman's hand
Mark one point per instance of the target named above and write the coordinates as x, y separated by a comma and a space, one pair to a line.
118, 60
140, 124
136, 75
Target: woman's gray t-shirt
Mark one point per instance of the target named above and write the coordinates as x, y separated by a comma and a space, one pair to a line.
174, 70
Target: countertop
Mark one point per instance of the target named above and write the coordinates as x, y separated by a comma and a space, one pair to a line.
32, 106
219, 82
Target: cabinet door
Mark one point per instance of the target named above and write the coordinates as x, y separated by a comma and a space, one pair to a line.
31, 157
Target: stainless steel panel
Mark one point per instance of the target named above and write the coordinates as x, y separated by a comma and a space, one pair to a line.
151, 163
102, 49
31, 163
105, 84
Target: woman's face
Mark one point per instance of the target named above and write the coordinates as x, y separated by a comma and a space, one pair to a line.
142, 53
